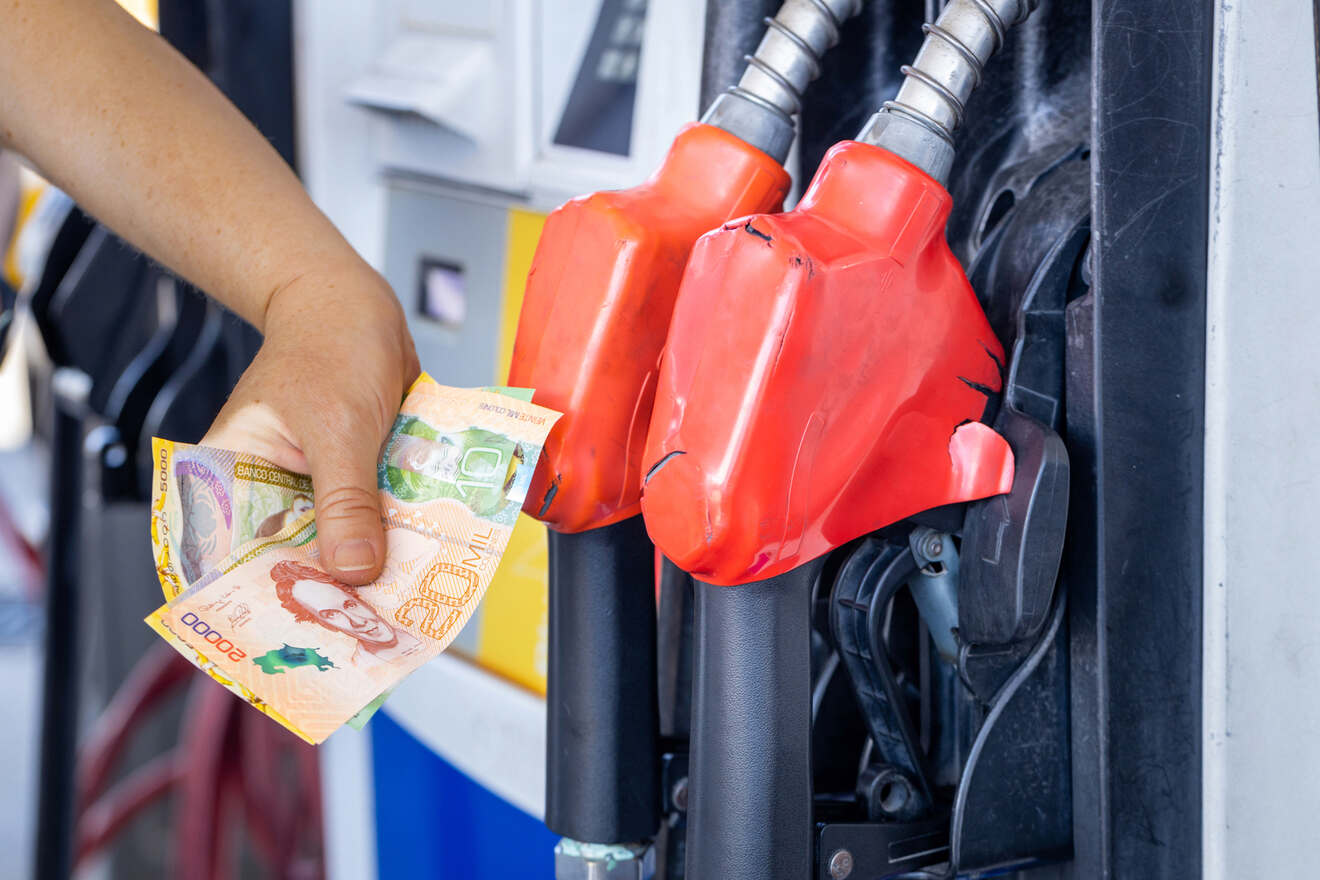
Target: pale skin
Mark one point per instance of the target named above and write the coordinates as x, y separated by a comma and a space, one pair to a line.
115, 117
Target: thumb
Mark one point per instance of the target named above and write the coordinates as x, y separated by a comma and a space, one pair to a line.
348, 526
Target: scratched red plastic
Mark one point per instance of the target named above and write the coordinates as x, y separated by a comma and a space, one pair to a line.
825, 372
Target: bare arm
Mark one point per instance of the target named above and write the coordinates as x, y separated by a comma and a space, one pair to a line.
118, 119
124, 124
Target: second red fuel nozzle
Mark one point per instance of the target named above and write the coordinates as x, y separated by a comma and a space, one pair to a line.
826, 373
827, 368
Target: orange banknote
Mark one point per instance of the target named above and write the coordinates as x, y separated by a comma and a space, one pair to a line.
310, 651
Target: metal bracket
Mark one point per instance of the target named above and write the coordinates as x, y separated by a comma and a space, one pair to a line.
868, 851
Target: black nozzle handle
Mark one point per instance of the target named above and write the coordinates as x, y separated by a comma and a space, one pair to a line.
749, 782
602, 750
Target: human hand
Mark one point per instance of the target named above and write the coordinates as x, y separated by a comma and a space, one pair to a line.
319, 398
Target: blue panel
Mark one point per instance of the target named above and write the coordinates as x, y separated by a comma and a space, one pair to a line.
434, 822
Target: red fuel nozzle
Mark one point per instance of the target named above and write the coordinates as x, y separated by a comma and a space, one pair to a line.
596, 313
825, 374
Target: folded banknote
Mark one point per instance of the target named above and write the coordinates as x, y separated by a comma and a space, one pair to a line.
250, 603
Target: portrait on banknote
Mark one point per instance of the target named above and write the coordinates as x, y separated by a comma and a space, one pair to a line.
312, 596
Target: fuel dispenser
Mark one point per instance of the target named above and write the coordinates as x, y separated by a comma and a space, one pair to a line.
854, 452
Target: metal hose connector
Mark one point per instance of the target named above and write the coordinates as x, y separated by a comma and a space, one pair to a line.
760, 108
919, 123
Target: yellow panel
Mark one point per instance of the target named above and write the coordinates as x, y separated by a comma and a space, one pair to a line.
524, 232
514, 630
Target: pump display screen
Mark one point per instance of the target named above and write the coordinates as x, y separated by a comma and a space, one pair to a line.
442, 293
599, 112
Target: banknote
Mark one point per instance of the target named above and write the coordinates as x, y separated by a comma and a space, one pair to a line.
203, 663
271, 624
293, 535
207, 502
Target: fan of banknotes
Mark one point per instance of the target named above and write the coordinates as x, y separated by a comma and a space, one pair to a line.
248, 601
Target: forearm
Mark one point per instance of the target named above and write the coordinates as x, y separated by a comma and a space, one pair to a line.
120, 121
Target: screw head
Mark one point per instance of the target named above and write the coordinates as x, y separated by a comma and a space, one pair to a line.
841, 864
934, 546
679, 795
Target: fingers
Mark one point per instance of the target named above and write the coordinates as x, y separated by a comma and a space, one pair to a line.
340, 454
256, 429
349, 530
319, 398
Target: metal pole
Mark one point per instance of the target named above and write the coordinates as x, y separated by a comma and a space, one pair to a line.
603, 760
59, 693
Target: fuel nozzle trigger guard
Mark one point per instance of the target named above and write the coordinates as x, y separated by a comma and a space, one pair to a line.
865, 585
935, 587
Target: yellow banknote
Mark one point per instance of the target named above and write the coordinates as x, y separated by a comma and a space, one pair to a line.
310, 651
207, 502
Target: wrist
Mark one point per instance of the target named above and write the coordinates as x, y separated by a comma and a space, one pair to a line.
347, 321
351, 291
